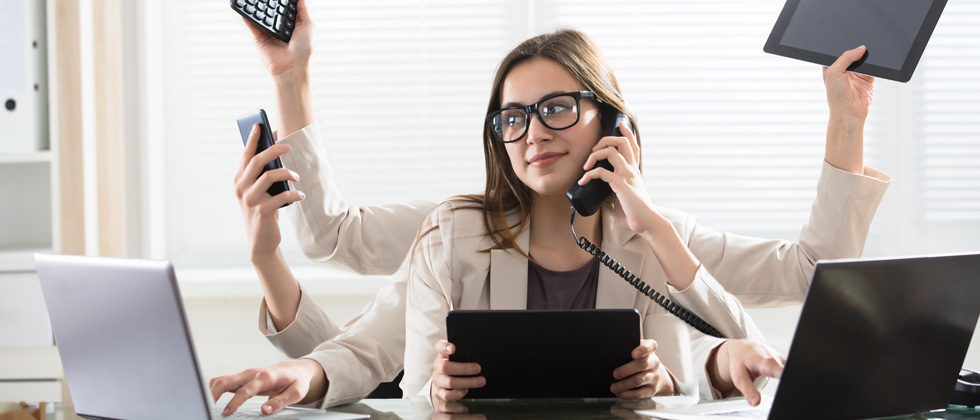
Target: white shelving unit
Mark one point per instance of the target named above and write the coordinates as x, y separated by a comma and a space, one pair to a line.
30, 368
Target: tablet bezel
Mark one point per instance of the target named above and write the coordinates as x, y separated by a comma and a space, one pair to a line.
899, 75
544, 353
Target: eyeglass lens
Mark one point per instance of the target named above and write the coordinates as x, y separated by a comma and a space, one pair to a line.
556, 113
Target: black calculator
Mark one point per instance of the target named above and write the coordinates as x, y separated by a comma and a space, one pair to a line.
278, 17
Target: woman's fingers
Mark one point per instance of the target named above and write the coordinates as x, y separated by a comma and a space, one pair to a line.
597, 172
262, 381
458, 382
257, 193
249, 153
444, 348
291, 395
846, 59
253, 169
230, 383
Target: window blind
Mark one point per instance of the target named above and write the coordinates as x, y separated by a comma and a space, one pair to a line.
949, 140
400, 95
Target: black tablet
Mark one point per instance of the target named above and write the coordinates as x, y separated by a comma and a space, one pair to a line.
544, 354
895, 32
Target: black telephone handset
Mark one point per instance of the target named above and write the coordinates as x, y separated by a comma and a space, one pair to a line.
587, 199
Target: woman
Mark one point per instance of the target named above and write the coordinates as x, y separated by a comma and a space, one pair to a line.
510, 247
759, 273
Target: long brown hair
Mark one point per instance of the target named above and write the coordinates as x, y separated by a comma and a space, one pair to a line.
504, 192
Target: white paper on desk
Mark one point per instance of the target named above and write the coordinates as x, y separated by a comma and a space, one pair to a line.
730, 408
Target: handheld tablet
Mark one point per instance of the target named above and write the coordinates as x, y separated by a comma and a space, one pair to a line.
895, 32
544, 354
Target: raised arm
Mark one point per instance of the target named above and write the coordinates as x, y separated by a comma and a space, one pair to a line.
368, 240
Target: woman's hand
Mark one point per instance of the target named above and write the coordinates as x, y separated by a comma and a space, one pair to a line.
259, 209
636, 208
296, 381
452, 380
643, 377
282, 59
849, 96
625, 180
736, 364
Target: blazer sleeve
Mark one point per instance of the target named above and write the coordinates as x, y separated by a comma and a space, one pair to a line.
429, 300
772, 273
370, 350
310, 327
365, 239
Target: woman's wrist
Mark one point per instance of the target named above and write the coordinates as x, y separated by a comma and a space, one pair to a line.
296, 76
295, 101
719, 373
319, 383
845, 143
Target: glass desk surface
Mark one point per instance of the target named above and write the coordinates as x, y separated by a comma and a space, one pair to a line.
419, 408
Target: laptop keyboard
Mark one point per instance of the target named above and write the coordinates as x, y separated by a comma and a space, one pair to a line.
245, 413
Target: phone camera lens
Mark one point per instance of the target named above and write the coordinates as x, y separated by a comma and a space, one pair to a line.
11, 104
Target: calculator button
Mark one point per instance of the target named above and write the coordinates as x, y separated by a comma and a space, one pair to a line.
240, 3
268, 21
290, 24
259, 14
252, 2
288, 32
279, 23
291, 16
250, 9
283, 3
292, 7
262, 6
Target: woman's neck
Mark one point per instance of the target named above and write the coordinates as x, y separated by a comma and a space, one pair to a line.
552, 243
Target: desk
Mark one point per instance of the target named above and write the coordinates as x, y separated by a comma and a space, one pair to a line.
398, 409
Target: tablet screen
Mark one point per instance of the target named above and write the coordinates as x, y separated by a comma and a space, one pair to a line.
887, 27
895, 32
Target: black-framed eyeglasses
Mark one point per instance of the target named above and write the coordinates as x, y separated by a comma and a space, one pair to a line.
557, 112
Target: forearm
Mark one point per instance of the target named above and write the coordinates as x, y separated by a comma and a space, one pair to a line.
280, 288
845, 143
678, 262
295, 101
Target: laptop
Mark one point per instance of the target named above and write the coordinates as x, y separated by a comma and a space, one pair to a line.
124, 343
875, 338
572, 353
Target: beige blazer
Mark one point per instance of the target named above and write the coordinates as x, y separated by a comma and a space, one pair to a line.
368, 349
449, 272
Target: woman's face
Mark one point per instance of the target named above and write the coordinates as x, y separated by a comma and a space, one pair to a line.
549, 161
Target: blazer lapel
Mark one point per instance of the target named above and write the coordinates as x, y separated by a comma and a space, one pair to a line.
613, 291
508, 276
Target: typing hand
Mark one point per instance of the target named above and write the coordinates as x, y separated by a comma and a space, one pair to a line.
643, 377
451, 380
296, 381
738, 363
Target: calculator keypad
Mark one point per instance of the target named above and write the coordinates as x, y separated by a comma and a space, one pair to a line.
278, 17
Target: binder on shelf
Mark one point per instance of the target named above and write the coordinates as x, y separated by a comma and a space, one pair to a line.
23, 77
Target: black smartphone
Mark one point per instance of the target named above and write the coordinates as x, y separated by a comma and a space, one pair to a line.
586, 199
277, 17
245, 123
